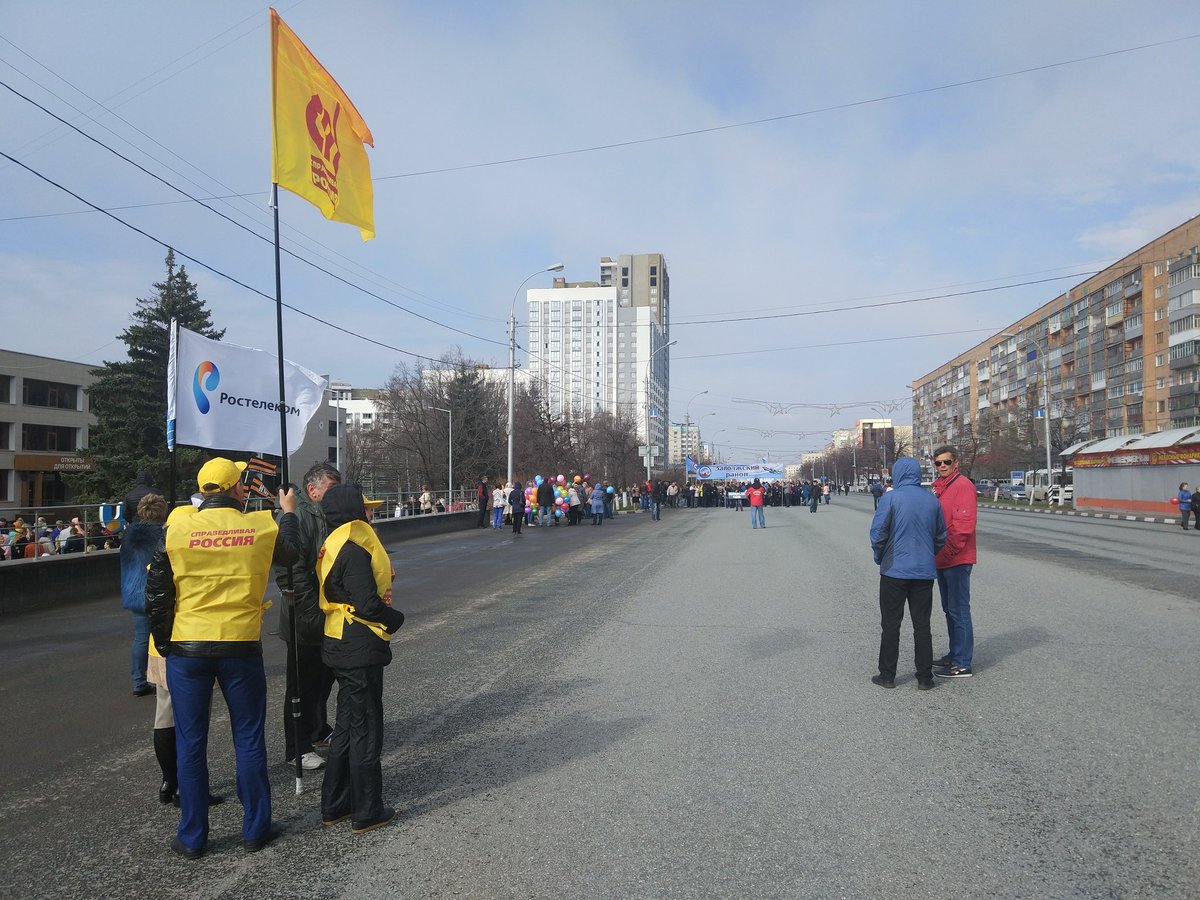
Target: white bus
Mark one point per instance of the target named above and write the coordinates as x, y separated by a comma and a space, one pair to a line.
1058, 488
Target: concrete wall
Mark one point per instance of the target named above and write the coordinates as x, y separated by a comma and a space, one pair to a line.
1132, 489
59, 580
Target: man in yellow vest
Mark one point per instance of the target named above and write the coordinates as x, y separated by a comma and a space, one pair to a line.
204, 599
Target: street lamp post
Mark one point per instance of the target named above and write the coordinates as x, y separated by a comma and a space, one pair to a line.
512, 358
450, 446
649, 443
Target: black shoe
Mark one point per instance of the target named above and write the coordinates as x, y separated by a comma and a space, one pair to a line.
386, 815
144, 691
168, 792
953, 672
924, 684
882, 682
944, 663
333, 819
258, 843
186, 852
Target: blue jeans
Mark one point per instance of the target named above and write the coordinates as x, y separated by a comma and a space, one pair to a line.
497, 516
756, 517
657, 509
546, 516
141, 648
954, 585
243, 683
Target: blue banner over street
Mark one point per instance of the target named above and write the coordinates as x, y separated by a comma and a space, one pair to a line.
733, 472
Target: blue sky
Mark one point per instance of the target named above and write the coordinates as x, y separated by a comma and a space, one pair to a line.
1033, 176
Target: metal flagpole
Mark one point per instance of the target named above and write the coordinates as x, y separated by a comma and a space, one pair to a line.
290, 593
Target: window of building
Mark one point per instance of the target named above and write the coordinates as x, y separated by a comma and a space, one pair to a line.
1159, 359
53, 394
5, 435
48, 438
5, 389
332, 427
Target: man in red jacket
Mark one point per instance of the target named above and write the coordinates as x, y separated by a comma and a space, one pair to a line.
954, 561
755, 494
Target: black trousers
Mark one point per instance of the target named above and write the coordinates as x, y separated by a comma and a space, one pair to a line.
353, 775
893, 593
483, 514
316, 682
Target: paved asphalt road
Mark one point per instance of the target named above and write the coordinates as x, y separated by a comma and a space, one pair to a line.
675, 709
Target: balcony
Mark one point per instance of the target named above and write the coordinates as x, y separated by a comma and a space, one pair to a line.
1133, 290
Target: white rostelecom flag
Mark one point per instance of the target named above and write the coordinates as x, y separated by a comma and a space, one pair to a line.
226, 397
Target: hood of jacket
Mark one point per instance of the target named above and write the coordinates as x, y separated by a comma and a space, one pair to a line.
906, 470
343, 503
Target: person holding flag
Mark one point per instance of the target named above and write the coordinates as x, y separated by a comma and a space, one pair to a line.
204, 600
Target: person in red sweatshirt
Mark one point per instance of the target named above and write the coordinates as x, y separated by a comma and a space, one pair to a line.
755, 494
954, 561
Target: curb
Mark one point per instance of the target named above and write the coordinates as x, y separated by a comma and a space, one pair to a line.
1125, 517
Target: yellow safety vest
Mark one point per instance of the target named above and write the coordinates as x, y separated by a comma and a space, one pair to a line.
221, 559
338, 614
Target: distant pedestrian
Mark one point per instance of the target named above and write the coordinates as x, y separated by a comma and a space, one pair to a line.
755, 494
1185, 506
598, 505
516, 501
498, 499
1195, 504
957, 496
876, 492
907, 532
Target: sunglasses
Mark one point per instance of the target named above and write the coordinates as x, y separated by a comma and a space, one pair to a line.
943, 462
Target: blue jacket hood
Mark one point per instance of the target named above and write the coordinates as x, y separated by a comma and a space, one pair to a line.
906, 470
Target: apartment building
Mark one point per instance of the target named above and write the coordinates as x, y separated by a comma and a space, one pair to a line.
602, 345
682, 440
45, 419
1117, 354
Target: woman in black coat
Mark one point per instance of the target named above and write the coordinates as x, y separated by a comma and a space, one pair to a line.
516, 499
355, 576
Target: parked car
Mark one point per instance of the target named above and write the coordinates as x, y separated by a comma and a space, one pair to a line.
989, 490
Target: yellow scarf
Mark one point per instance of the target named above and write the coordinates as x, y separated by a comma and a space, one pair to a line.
338, 614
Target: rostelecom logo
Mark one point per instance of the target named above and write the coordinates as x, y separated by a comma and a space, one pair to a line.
207, 378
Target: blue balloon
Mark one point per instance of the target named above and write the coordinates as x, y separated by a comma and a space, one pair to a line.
610, 490
538, 480
558, 514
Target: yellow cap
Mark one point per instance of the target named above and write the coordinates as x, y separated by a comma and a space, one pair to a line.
219, 474
372, 504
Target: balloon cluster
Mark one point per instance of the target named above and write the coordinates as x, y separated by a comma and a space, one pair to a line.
562, 500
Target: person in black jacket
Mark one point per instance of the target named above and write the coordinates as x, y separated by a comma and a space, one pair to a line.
516, 500
307, 676
143, 485
356, 595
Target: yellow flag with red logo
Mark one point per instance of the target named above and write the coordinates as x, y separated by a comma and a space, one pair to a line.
318, 137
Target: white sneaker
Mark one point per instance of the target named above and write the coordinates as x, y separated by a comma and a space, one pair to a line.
310, 761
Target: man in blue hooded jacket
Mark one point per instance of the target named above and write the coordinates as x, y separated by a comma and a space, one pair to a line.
906, 533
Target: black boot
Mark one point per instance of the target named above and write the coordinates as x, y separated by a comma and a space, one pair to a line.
164, 751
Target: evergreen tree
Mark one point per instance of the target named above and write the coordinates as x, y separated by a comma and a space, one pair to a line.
129, 398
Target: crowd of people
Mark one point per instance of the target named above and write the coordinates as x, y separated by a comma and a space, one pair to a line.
22, 540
